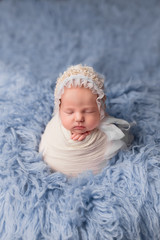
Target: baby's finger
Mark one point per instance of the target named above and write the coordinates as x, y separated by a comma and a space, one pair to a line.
81, 137
76, 136
73, 135
86, 134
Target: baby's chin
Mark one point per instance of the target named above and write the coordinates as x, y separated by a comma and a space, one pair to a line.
80, 131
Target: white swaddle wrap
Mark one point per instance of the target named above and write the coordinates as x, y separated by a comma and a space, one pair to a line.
71, 157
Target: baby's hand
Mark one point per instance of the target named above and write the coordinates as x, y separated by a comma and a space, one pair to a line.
79, 136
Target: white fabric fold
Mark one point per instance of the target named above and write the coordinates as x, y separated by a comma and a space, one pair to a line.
71, 157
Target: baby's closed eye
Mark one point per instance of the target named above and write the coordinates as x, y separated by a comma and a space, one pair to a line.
69, 112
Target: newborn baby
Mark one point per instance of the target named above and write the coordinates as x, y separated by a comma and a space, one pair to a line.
81, 136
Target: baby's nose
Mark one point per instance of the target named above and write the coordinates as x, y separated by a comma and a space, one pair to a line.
79, 117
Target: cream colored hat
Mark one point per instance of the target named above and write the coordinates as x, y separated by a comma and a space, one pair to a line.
78, 76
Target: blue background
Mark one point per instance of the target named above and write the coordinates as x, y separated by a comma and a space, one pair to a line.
38, 40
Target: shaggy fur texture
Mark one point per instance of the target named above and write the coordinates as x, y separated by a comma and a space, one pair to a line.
39, 39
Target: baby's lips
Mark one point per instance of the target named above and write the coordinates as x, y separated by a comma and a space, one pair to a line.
79, 127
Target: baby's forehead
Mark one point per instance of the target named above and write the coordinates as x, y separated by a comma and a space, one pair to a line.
79, 96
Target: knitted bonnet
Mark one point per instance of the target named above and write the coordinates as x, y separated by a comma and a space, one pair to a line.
81, 76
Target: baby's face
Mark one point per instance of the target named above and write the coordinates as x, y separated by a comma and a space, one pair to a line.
78, 110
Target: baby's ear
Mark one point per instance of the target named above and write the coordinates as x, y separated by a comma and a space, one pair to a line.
59, 103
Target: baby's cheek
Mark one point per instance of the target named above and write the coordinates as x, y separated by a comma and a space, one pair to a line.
93, 122
67, 122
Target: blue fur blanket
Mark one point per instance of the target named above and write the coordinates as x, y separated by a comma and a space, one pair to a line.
38, 40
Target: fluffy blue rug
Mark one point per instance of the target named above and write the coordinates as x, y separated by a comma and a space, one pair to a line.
38, 40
